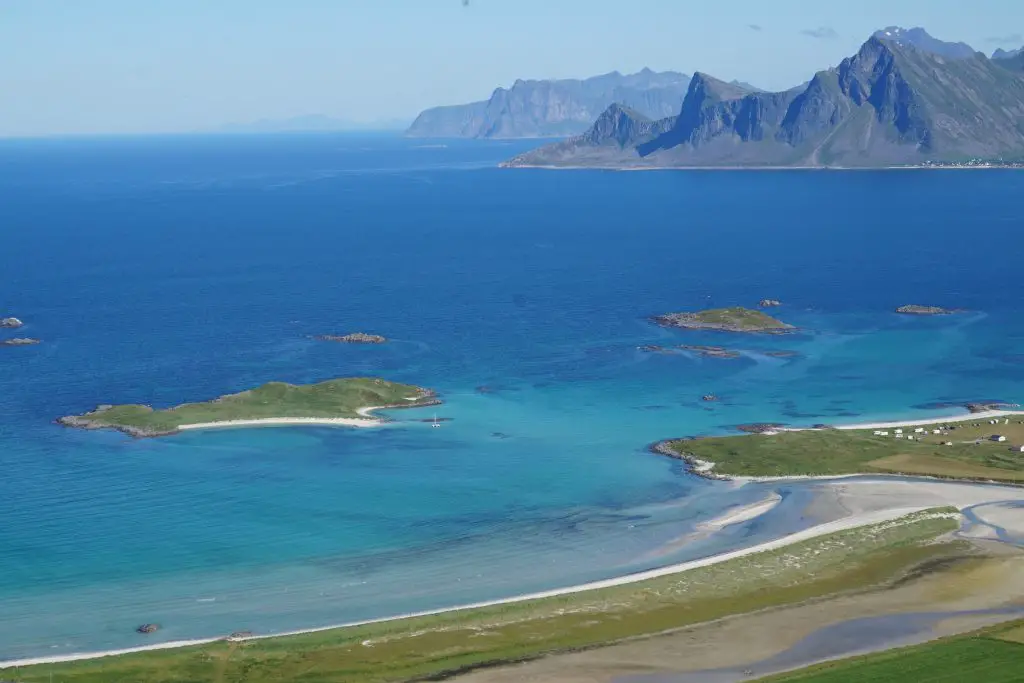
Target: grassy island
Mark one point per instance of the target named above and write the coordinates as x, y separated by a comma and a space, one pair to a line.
961, 450
338, 400
734, 319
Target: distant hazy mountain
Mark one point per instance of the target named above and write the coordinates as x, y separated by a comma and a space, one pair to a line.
892, 103
1010, 59
554, 108
919, 38
310, 123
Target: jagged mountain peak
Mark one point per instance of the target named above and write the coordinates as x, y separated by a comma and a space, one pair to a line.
709, 88
1000, 53
920, 39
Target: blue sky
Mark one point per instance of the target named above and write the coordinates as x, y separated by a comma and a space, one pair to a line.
131, 66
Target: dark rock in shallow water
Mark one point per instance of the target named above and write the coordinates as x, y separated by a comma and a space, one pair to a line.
759, 427
710, 351
781, 354
769, 303
500, 435
148, 628
709, 398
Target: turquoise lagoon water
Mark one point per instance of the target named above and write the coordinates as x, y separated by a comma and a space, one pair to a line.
173, 269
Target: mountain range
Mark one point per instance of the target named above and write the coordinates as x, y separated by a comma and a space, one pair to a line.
904, 98
553, 108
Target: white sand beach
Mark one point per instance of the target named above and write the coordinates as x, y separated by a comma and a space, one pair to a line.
968, 417
287, 421
863, 502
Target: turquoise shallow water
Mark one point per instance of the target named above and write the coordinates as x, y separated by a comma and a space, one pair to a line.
168, 270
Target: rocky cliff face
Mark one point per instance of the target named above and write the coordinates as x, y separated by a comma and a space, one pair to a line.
892, 103
919, 39
554, 108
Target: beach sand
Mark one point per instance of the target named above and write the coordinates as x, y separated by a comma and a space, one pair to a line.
969, 417
285, 422
859, 502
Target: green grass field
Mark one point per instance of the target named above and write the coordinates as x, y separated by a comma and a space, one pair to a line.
331, 399
427, 646
832, 451
986, 657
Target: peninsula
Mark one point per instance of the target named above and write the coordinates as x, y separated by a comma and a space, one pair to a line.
735, 319
334, 402
980, 446
352, 338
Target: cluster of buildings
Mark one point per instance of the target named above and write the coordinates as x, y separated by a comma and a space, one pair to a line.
943, 430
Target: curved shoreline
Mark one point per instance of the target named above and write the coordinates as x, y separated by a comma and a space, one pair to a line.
287, 422
851, 521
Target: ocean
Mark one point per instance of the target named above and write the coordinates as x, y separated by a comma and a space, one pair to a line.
171, 269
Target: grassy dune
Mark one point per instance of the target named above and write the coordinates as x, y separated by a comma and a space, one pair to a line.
338, 398
831, 451
994, 655
428, 646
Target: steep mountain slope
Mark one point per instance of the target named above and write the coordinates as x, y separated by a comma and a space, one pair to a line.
554, 108
890, 104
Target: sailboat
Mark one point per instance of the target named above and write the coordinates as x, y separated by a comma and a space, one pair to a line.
435, 423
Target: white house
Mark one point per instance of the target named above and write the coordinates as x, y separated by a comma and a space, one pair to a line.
919, 430
935, 431
899, 436
950, 443
998, 437
1021, 449
897, 431
883, 433
910, 437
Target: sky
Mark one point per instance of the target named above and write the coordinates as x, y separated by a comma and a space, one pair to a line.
138, 66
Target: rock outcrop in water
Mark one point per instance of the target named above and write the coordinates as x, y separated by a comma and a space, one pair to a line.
20, 341
353, 338
913, 309
148, 628
892, 103
10, 323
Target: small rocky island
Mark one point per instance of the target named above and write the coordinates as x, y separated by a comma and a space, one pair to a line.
913, 309
342, 401
352, 338
734, 319
20, 341
10, 323
769, 303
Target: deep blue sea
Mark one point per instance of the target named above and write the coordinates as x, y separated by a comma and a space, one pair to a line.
165, 270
